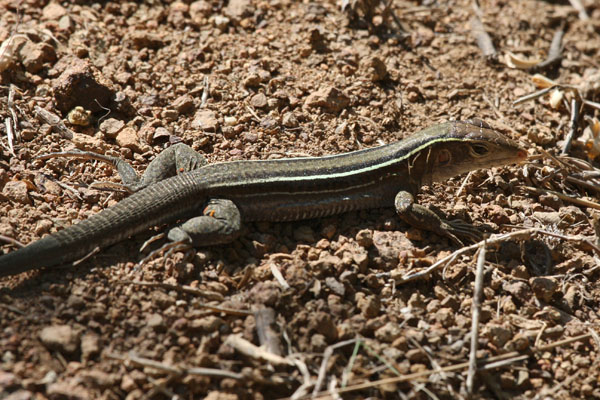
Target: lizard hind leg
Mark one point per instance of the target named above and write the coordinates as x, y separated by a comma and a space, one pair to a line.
169, 162
220, 223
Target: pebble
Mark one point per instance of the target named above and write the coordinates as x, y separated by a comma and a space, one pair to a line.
128, 138
205, 120
156, 322
498, 334
61, 338
111, 127
90, 345
519, 290
369, 306
543, 288
329, 98
259, 100
53, 12
388, 332
16, 191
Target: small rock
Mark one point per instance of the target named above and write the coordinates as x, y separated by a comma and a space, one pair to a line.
199, 9
81, 84
89, 143
65, 23
128, 384
498, 334
364, 238
160, 134
34, 55
252, 80
322, 323
445, 316
388, 332
369, 306
519, 290
184, 104
230, 121
289, 120
335, 286
215, 395
259, 100
161, 299
20, 394
326, 262
98, 378
451, 302
111, 127
238, 9
329, 99
8, 380
543, 288
42, 226
416, 355
128, 138
16, 191
221, 22
90, 345
145, 39
207, 324
318, 342
156, 322
53, 12
67, 390
498, 215
206, 120
552, 219
376, 69
61, 338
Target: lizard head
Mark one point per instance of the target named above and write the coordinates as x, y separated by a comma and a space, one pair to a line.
471, 145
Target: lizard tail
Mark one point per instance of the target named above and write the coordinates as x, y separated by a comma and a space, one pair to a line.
163, 202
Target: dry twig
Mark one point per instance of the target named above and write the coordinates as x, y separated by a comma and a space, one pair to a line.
174, 370
476, 307
573, 126
483, 39
55, 121
514, 356
208, 294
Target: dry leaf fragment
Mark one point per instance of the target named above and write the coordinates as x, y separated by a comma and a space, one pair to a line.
541, 82
514, 61
556, 98
591, 138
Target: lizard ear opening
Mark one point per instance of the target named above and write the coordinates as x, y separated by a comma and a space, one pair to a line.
444, 157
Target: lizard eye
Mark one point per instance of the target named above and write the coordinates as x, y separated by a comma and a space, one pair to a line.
479, 150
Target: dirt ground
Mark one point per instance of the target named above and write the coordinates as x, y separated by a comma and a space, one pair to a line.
254, 79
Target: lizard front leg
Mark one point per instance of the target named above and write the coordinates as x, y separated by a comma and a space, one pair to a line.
423, 218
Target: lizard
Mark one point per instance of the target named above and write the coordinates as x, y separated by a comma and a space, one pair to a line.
213, 199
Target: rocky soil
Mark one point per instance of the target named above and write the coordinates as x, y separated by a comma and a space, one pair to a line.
321, 306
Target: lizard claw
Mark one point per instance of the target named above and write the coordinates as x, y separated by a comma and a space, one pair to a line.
167, 249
